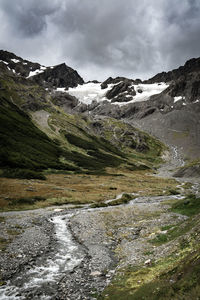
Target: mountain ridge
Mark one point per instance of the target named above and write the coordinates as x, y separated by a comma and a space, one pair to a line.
54, 76
191, 65
80, 143
51, 89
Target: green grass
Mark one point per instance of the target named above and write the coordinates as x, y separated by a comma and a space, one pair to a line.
167, 227
26, 151
174, 232
23, 145
2, 219
22, 174
3, 244
123, 200
27, 200
189, 206
174, 277
173, 192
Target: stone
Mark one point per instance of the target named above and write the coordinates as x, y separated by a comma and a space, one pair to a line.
95, 273
147, 262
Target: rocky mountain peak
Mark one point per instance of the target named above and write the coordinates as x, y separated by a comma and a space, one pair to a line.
59, 76
16, 64
192, 65
50, 77
7, 56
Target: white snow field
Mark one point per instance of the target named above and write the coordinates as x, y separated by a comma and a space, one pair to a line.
88, 92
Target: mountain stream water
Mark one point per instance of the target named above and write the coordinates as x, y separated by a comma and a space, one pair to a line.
41, 281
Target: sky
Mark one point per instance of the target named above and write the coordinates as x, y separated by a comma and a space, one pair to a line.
102, 38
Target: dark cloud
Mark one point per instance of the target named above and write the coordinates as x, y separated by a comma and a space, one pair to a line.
28, 17
133, 38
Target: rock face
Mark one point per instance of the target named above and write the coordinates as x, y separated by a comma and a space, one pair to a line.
185, 81
187, 86
58, 76
17, 64
118, 79
64, 100
189, 171
122, 87
191, 66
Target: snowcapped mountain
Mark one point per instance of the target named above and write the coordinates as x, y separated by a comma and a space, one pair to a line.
167, 105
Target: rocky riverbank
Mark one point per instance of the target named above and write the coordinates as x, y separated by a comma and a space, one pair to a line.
65, 253
108, 238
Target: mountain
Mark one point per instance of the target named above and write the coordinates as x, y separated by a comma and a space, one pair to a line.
167, 105
191, 66
79, 117
39, 129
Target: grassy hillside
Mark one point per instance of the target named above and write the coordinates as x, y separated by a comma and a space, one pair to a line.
25, 150
68, 143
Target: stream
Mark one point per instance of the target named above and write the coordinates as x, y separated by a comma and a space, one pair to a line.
42, 280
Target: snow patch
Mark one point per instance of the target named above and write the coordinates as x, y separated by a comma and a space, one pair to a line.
15, 60
36, 72
178, 98
61, 90
148, 90
88, 92
5, 62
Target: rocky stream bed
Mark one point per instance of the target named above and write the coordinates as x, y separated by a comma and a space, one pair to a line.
73, 253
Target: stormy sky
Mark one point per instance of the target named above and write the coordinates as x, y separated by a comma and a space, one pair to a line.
101, 38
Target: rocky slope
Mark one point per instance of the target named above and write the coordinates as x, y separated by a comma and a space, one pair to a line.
171, 113
191, 66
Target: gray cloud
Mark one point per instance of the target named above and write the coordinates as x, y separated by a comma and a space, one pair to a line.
28, 17
134, 38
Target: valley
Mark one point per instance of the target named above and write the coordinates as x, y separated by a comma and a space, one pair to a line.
99, 184
116, 249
